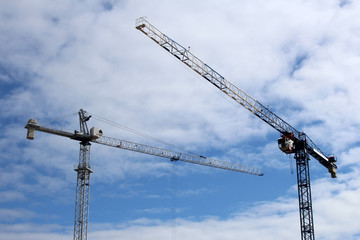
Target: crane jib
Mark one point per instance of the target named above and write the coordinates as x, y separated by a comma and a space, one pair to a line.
214, 77
173, 155
240, 96
93, 136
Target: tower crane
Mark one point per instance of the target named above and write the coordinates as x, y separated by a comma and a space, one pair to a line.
95, 135
292, 141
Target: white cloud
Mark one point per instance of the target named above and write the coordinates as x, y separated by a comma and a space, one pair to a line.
34, 231
76, 54
155, 210
10, 215
8, 196
265, 220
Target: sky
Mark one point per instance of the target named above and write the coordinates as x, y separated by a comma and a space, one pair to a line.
300, 58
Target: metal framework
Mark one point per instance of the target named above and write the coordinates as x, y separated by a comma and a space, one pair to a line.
304, 191
83, 169
303, 144
82, 192
83, 182
174, 156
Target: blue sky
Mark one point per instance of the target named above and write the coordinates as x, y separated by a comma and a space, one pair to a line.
299, 57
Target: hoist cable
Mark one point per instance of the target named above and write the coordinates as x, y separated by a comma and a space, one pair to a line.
138, 133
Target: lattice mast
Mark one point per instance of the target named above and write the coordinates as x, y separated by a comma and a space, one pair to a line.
83, 182
291, 141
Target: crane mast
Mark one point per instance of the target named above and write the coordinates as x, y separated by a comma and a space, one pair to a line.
292, 141
83, 182
95, 135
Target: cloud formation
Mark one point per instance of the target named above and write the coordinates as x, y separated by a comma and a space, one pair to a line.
301, 58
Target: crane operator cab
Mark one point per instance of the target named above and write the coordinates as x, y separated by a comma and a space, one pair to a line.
286, 145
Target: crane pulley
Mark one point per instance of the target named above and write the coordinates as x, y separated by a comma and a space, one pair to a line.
95, 135
291, 141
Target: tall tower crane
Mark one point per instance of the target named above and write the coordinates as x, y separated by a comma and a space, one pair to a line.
292, 141
95, 135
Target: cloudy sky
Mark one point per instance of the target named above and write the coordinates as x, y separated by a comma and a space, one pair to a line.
300, 57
